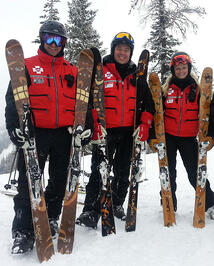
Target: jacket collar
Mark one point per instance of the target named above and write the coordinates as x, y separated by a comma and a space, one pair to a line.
45, 58
110, 64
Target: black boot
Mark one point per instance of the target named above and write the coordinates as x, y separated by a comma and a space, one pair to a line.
23, 242
54, 227
119, 212
89, 219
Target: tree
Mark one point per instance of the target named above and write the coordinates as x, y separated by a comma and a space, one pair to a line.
166, 16
50, 13
81, 33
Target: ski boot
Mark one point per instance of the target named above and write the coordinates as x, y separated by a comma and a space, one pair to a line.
23, 242
119, 212
54, 227
88, 219
210, 213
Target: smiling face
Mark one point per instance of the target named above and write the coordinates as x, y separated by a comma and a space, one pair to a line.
52, 49
181, 71
122, 53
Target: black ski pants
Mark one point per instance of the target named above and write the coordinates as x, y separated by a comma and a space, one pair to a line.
119, 151
52, 144
188, 149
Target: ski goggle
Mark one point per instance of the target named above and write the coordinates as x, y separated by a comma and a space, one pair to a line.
124, 35
50, 38
180, 59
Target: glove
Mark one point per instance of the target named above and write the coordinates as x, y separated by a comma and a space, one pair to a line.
18, 138
78, 137
142, 132
99, 133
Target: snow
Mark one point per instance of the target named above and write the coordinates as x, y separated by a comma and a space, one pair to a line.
151, 243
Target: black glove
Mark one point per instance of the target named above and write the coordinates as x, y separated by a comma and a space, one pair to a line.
18, 138
192, 93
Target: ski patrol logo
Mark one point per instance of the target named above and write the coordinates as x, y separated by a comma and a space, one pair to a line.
170, 91
38, 69
108, 75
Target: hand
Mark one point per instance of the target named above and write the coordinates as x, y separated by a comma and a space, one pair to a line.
18, 138
78, 137
142, 132
99, 133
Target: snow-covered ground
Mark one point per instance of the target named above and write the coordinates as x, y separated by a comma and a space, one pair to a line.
151, 244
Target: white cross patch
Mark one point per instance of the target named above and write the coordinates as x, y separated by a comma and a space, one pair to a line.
108, 75
170, 91
38, 69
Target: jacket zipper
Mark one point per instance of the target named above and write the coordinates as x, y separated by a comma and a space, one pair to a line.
54, 76
180, 113
122, 102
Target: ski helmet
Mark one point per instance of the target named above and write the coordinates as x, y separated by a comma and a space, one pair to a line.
122, 38
54, 27
180, 58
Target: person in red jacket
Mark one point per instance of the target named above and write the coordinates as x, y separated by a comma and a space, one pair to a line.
181, 103
52, 89
120, 98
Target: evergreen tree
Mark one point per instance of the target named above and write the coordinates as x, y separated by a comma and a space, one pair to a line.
50, 13
81, 33
167, 16
161, 43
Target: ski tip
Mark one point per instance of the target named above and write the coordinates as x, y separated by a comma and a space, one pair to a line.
145, 51
206, 77
153, 77
96, 53
88, 53
12, 42
207, 69
97, 56
144, 54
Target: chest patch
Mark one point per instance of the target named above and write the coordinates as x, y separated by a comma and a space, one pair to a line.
109, 85
38, 80
169, 101
108, 75
38, 69
170, 91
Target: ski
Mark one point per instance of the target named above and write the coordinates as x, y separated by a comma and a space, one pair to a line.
67, 227
203, 147
16, 66
107, 216
137, 154
160, 145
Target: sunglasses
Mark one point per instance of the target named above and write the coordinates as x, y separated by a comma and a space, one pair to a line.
180, 59
50, 38
126, 35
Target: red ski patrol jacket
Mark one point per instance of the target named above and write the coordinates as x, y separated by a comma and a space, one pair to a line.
120, 98
181, 115
52, 90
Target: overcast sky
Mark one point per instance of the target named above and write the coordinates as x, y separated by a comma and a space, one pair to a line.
19, 19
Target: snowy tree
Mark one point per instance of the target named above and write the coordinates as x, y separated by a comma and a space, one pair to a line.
166, 17
50, 13
81, 33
